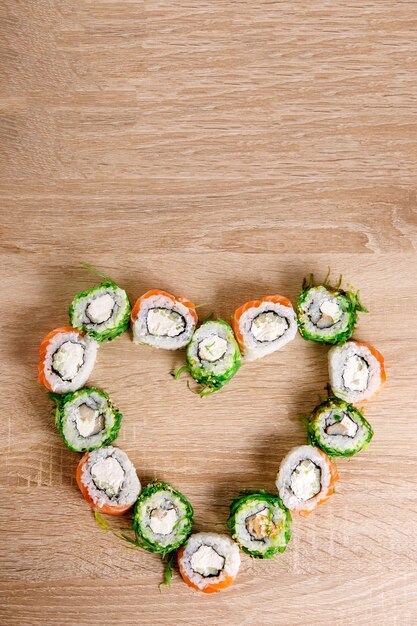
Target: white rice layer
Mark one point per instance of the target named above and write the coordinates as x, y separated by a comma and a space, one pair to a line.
160, 517
285, 480
322, 314
102, 309
226, 555
355, 373
72, 422
75, 360
213, 340
266, 515
169, 334
354, 431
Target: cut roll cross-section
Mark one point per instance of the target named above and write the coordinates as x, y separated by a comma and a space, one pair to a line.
356, 371
108, 480
86, 419
67, 358
161, 320
264, 326
305, 479
102, 312
162, 518
260, 524
209, 562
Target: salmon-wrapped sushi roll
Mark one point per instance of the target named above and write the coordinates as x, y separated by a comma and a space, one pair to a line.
67, 358
264, 326
305, 479
162, 320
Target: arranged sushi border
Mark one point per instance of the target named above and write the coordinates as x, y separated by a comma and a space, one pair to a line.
162, 519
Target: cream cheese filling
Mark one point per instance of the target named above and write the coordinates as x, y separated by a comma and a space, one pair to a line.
68, 359
206, 561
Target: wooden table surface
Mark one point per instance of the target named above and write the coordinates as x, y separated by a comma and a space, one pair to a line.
221, 150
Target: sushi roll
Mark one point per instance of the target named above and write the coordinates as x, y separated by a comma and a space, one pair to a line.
213, 355
102, 312
338, 428
264, 326
327, 314
67, 358
209, 562
260, 524
108, 480
356, 371
305, 479
162, 518
86, 419
161, 320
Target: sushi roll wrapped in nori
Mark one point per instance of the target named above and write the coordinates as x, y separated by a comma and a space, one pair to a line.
162, 518
338, 428
209, 562
260, 524
213, 356
86, 419
67, 358
356, 371
305, 479
161, 320
327, 314
108, 480
102, 312
264, 326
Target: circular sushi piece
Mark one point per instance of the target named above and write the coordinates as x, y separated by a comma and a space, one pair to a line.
264, 326
213, 355
356, 371
161, 320
86, 419
162, 517
102, 312
209, 562
67, 358
260, 524
338, 428
327, 314
305, 479
108, 480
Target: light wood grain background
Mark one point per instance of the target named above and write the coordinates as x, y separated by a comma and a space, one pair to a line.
221, 150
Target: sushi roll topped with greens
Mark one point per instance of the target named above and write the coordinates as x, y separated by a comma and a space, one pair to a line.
338, 428
86, 419
102, 312
162, 518
327, 314
260, 524
213, 355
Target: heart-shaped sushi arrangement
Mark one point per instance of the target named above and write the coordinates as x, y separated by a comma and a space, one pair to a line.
162, 517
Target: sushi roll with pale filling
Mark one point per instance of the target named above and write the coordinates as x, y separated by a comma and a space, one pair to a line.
102, 312
86, 419
108, 480
264, 326
356, 371
162, 518
67, 358
260, 524
209, 562
338, 428
305, 479
161, 320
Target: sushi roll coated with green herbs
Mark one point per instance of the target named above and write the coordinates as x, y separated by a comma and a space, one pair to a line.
338, 428
213, 356
327, 314
260, 524
162, 518
102, 312
86, 419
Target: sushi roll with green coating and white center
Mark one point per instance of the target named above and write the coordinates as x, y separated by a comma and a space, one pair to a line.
209, 562
162, 518
86, 419
102, 312
260, 524
213, 356
327, 314
338, 428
